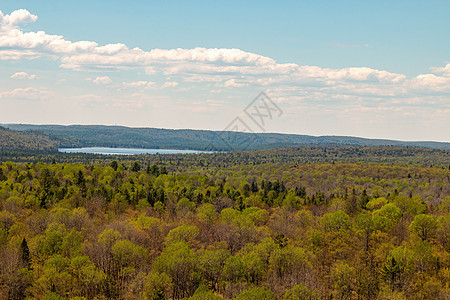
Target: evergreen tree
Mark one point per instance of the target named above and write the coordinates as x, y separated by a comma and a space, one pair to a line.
136, 167
25, 253
114, 165
2, 176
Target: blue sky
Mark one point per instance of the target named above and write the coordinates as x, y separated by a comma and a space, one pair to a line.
375, 69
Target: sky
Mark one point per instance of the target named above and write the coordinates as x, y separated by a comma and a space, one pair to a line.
375, 69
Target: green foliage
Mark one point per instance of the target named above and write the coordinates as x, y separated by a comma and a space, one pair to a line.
143, 221
213, 226
184, 206
233, 269
157, 286
211, 263
424, 226
114, 165
52, 243
185, 233
300, 292
445, 205
55, 275
127, 254
71, 243
108, 237
88, 277
443, 232
289, 262
203, 293
136, 167
142, 204
256, 293
398, 266
254, 268
3, 237
389, 211
376, 203
228, 215
207, 213
7, 219
364, 222
179, 262
257, 215
410, 205
159, 207
343, 278
336, 221
53, 296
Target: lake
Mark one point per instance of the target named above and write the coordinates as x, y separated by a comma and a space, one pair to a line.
126, 151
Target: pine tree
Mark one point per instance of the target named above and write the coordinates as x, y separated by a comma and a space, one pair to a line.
2, 176
136, 167
114, 165
25, 253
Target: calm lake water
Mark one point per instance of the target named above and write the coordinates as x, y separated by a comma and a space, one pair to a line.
126, 151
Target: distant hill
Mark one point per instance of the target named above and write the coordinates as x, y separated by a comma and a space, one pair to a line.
120, 136
26, 141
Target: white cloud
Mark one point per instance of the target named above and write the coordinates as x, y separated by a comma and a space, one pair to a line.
135, 84
17, 17
290, 82
29, 93
151, 85
444, 70
431, 82
187, 62
22, 75
168, 84
232, 83
18, 54
102, 80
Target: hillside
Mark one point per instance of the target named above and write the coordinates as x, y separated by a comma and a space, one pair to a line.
120, 136
32, 141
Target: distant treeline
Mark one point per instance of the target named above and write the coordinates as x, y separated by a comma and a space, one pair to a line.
307, 154
155, 138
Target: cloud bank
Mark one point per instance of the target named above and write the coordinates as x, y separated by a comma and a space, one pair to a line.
234, 67
352, 88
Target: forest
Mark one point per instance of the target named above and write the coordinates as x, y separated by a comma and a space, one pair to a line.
343, 222
160, 138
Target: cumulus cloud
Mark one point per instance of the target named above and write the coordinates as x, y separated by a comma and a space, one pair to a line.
135, 84
102, 80
232, 83
22, 75
168, 84
17, 17
29, 93
431, 82
219, 67
444, 70
82, 55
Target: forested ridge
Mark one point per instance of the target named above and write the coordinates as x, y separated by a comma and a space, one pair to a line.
295, 223
121, 136
17, 142
13, 140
